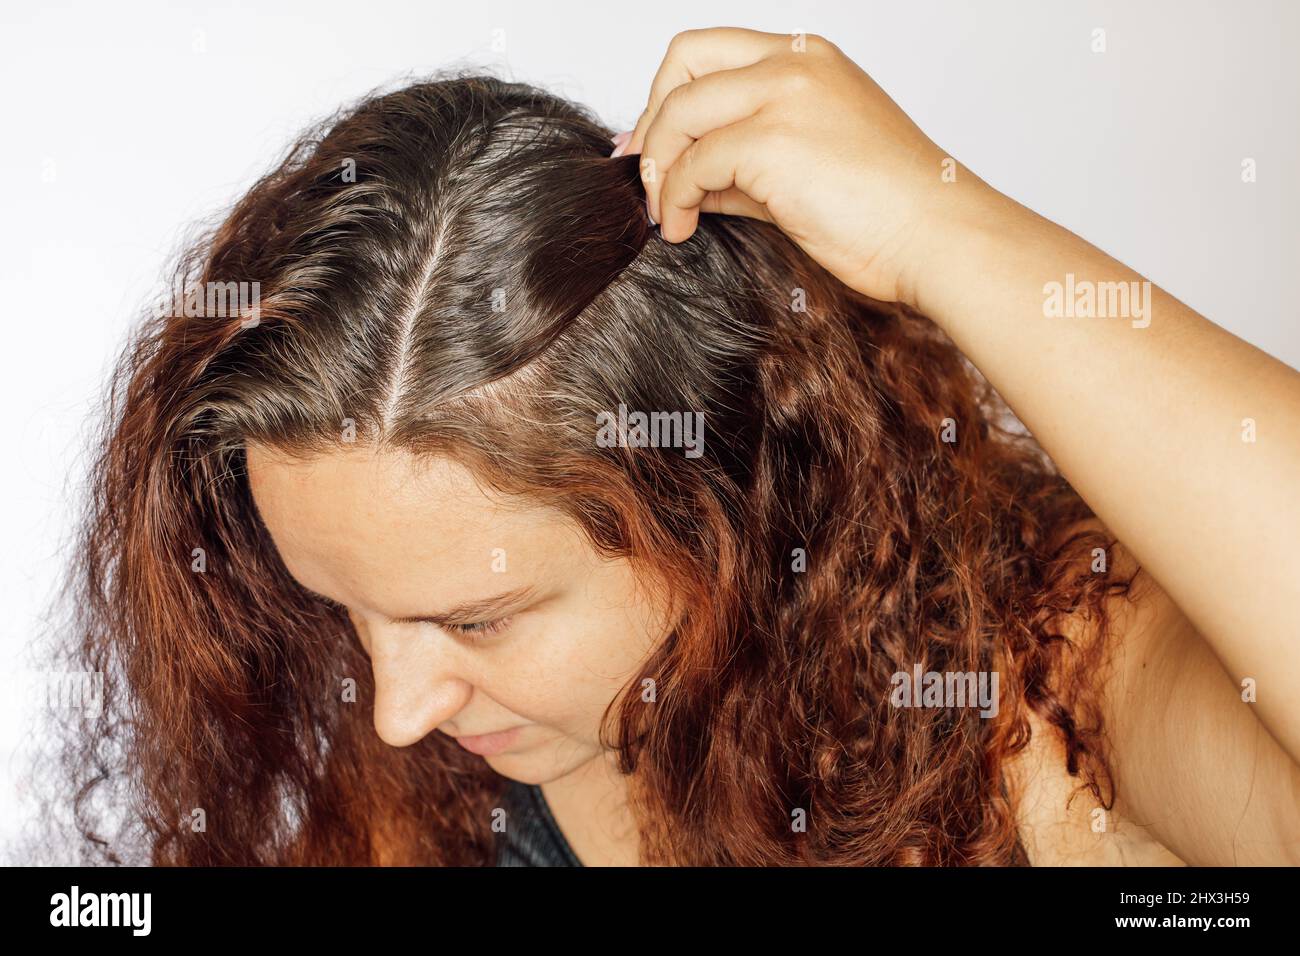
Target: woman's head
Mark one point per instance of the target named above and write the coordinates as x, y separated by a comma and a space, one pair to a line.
527, 625
733, 499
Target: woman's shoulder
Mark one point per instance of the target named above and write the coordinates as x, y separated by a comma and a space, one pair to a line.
1196, 775
1061, 821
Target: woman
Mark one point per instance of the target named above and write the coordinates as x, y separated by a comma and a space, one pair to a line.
494, 504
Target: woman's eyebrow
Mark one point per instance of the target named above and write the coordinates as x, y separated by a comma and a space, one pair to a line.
465, 613
471, 611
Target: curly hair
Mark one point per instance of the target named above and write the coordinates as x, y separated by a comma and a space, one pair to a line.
456, 267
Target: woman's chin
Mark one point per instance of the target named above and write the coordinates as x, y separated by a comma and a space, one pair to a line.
538, 764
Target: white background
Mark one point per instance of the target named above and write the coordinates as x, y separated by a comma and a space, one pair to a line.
124, 125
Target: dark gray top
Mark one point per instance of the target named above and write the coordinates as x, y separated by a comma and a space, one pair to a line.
531, 837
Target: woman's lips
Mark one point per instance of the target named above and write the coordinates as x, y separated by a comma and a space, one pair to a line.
487, 745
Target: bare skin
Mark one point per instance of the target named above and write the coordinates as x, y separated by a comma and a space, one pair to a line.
1199, 779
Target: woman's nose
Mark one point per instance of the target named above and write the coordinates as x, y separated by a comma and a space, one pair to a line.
418, 682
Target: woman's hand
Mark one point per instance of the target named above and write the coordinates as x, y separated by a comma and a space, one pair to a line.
790, 130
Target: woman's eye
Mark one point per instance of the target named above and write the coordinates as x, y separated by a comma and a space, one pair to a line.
479, 628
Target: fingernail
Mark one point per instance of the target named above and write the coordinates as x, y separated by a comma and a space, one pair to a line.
620, 143
647, 212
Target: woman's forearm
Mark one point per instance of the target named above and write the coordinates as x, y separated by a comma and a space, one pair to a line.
1182, 437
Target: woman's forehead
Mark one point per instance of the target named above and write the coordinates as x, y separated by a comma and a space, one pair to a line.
391, 522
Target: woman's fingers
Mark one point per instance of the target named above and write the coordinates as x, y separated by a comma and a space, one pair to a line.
733, 202
708, 168
695, 53
690, 112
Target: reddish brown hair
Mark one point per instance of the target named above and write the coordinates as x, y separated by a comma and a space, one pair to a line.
457, 268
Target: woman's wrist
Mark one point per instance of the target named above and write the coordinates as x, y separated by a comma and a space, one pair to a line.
974, 234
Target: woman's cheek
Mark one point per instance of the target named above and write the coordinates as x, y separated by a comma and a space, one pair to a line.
606, 652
